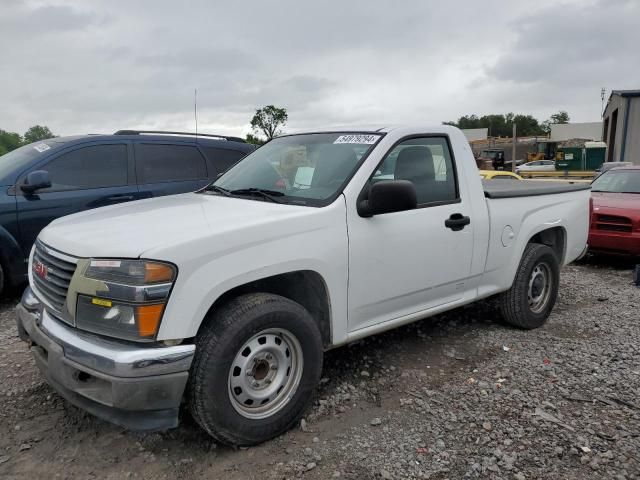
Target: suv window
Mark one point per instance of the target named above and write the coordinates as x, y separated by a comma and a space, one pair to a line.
221, 159
427, 163
168, 163
95, 166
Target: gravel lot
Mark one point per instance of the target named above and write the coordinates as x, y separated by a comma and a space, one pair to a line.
458, 396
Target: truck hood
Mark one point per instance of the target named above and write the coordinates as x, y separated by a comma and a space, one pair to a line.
128, 230
627, 201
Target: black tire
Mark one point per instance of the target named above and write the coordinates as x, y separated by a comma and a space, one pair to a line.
515, 305
2, 282
211, 400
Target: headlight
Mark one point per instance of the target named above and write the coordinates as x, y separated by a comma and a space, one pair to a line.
133, 272
123, 298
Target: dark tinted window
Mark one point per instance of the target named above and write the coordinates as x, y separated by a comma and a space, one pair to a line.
89, 167
427, 163
168, 163
222, 159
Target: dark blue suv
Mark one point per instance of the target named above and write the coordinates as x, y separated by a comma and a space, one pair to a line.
52, 178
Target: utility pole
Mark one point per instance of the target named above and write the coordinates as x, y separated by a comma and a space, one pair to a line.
513, 149
602, 92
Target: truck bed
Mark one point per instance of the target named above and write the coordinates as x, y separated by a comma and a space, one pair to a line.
526, 188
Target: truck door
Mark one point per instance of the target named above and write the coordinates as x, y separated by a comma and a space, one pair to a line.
83, 178
407, 262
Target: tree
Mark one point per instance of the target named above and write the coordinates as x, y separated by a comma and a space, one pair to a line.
527, 126
560, 117
269, 120
254, 139
501, 125
9, 141
556, 118
37, 133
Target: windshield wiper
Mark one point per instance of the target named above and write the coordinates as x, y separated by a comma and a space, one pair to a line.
218, 189
264, 193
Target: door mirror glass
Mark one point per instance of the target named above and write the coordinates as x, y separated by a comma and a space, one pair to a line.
36, 180
388, 196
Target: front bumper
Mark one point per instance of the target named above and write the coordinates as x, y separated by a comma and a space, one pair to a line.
614, 243
139, 388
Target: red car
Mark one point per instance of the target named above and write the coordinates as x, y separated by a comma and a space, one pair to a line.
615, 213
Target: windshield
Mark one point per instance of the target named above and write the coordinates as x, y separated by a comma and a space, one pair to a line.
13, 162
302, 169
618, 181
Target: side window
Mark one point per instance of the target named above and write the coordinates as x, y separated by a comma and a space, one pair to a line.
427, 163
221, 159
88, 167
157, 163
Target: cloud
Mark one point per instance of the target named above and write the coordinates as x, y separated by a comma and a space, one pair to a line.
104, 65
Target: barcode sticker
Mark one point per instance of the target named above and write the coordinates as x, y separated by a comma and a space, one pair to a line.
41, 147
105, 263
361, 139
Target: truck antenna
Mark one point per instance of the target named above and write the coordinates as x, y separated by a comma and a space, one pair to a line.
195, 108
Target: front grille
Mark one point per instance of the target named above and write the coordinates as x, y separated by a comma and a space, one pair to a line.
51, 272
613, 223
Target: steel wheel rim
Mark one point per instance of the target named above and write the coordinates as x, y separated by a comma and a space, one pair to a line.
265, 373
539, 291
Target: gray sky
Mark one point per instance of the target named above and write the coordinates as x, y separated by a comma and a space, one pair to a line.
98, 66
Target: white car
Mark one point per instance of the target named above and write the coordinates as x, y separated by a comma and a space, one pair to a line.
536, 166
227, 298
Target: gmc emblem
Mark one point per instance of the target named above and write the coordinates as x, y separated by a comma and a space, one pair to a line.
40, 269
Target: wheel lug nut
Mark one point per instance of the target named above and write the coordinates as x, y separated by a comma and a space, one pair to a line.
268, 381
274, 367
248, 373
268, 356
255, 384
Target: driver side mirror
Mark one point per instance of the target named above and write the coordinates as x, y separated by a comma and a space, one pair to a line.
388, 196
36, 180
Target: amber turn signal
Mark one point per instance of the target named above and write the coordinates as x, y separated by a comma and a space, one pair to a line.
157, 272
148, 319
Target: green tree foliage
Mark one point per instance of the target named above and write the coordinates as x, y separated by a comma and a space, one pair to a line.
37, 133
556, 118
9, 141
269, 121
501, 125
254, 139
560, 117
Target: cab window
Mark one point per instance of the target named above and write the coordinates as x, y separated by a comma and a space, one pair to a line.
427, 163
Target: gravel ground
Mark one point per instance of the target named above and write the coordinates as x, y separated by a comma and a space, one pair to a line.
458, 396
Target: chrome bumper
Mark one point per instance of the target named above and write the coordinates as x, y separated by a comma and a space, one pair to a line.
136, 387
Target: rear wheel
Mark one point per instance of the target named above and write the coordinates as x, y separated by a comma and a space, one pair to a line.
529, 301
257, 362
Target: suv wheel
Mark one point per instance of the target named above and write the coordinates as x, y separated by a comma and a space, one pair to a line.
257, 362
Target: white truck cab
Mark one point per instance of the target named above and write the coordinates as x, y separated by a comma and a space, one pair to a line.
228, 296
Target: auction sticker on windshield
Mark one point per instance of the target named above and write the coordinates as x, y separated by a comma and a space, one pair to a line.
41, 147
361, 139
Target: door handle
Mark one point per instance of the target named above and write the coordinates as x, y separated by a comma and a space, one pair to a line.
121, 198
457, 221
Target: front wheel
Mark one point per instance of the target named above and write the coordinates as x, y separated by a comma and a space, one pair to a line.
529, 301
257, 362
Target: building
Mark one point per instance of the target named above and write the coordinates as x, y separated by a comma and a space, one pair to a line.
621, 127
475, 134
561, 132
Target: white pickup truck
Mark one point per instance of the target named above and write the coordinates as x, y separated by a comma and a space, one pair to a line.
225, 299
